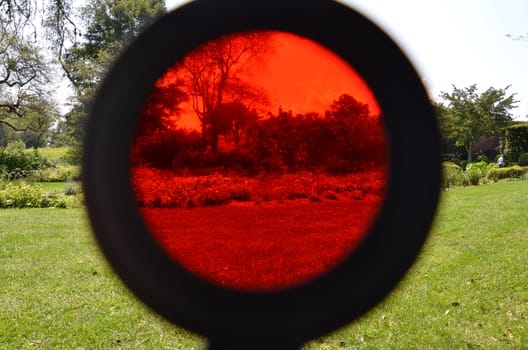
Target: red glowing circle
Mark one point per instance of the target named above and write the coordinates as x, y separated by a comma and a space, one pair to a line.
260, 161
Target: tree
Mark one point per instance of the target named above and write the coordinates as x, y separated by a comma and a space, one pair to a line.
359, 135
471, 115
85, 48
26, 108
85, 37
234, 118
218, 73
40, 117
163, 104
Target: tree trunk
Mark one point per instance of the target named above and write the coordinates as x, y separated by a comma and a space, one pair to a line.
214, 138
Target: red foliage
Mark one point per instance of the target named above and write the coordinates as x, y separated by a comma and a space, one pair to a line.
206, 138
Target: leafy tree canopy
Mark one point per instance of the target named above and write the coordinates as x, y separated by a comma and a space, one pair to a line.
89, 38
84, 37
469, 115
26, 106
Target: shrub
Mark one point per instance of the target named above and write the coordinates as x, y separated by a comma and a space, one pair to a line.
483, 166
473, 175
330, 196
16, 162
72, 156
315, 199
516, 140
482, 158
162, 188
480, 169
357, 195
505, 173
71, 189
16, 194
450, 165
22, 195
523, 159
61, 173
453, 175
297, 195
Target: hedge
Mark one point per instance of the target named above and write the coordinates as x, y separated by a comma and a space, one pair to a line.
516, 141
509, 172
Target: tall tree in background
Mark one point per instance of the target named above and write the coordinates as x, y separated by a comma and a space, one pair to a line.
84, 37
235, 117
85, 49
217, 74
470, 115
25, 74
163, 105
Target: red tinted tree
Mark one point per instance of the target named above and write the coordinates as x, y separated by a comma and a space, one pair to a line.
163, 104
217, 73
358, 135
234, 119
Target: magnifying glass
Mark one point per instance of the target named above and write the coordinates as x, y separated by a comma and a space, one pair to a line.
248, 169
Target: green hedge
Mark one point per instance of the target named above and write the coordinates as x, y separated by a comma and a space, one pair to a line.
477, 173
516, 141
505, 173
523, 159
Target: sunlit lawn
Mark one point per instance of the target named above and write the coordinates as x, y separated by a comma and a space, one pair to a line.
469, 289
57, 292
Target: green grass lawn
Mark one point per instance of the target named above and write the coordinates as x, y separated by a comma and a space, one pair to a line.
469, 289
55, 186
57, 292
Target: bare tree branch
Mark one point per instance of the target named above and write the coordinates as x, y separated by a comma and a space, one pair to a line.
18, 129
518, 37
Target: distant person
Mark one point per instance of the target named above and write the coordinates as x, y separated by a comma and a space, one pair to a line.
500, 161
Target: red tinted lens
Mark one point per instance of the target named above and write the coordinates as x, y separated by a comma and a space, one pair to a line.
260, 161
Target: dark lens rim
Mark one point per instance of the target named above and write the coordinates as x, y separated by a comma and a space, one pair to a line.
327, 303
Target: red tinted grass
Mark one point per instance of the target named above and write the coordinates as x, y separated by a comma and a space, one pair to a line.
260, 247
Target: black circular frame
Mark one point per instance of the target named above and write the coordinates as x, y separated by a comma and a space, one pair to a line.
287, 318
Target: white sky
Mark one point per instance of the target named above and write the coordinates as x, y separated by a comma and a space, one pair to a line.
460, 42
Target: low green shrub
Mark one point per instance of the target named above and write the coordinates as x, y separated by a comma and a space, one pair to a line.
17, 163
474, 175
508, 172
482, 158
453, 175
18, 194
72, 189
523, 159
450, 165
482, 166
61, 173
477, 171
